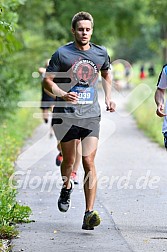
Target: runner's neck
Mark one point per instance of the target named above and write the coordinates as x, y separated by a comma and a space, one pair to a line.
82, 48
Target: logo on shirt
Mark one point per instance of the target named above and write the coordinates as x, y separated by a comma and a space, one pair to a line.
85, 72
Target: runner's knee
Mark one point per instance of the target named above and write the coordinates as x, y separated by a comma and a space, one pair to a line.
68, 161
88, 164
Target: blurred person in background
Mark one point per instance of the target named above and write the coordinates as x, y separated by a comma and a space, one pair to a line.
161, 110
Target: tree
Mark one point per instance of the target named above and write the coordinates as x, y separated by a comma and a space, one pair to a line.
158, 9
9, 42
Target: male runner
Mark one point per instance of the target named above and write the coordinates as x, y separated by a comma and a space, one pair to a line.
72, 75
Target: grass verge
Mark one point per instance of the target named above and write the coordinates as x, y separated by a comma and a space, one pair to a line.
14, 130
145, 114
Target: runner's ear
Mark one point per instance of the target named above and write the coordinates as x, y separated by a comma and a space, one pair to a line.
73, 31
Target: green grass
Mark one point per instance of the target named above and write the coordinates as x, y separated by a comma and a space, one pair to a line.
145, 114
14, 130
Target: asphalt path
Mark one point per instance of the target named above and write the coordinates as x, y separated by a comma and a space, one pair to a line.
131, 195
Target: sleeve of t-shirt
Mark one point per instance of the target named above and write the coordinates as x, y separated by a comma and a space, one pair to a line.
106, 64
54, 63
162, 80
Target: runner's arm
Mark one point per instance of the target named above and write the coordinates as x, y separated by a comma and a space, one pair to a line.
106, 83
53, 88
159, 100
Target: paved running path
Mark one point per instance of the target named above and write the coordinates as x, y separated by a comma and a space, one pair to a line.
133, 212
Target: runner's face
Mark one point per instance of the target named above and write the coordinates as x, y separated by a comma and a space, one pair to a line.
83, 32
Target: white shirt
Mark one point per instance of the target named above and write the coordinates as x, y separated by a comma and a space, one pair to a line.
162, 83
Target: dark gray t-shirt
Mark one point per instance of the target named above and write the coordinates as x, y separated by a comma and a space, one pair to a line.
77, 71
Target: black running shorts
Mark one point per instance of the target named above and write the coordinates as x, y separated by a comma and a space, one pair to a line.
67, 129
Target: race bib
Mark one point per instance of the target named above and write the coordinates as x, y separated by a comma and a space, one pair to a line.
85, 94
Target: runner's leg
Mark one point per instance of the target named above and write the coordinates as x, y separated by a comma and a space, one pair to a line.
69, 153
74, 176
78, 157
45, 114
89, 146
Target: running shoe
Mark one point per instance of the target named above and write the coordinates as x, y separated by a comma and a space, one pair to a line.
64, 200
91, 219
165, 139
59, 159
74, 177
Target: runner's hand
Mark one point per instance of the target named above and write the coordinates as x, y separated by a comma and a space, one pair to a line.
110, 106
160, 109
70, 97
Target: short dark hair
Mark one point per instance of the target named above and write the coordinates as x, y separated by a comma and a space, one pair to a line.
81, 16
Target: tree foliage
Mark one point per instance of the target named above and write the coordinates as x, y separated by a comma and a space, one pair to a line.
9, 42
30, 31
158, 11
